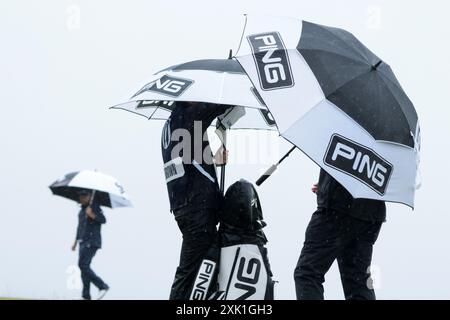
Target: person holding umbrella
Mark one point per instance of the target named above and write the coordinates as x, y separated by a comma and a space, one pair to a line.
192, 185
91, 189
90, 220
342, 105
342, 228
190, 96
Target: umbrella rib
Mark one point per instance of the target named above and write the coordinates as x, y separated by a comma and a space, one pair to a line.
134, 112
156, 109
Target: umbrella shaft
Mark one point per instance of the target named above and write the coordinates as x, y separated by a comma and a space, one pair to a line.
286, 155
272, 169
92, 197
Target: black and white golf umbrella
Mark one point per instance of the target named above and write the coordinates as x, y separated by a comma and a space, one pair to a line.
108, 191
337, 102
218, 81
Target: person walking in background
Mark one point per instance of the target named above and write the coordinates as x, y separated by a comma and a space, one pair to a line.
342, 228
90, 220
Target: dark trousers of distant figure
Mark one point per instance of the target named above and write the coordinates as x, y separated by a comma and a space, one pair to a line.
333, 235
199, 231
88, 276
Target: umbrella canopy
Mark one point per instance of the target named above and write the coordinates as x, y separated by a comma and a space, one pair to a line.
336, 101
217, 81
108, 191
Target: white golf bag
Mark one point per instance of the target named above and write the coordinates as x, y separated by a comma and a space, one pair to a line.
237, 266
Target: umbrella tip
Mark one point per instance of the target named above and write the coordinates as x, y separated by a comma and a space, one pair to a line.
376, 65
230, 55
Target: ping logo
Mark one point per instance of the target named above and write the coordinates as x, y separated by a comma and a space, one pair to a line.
271, 60
359, 162
248, 274
203, 280
167, 85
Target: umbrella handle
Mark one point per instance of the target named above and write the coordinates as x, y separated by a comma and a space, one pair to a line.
222, 179
272, 169
222, 170
92, 197
266, 174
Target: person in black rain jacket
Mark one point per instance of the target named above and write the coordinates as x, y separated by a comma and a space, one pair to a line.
192, 185
90, 220
342, 228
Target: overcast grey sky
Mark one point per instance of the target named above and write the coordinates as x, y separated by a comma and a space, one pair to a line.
63, 62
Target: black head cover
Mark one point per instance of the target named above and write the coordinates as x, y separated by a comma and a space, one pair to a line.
241, 207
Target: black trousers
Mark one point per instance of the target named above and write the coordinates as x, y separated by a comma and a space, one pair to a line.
333, 235
88, 276
199, 231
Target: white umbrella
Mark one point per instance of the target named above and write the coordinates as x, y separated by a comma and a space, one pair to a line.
337, 102
216, 81
107, 189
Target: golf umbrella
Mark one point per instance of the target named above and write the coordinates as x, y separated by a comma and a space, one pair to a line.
216, 81
336, 101
108, 191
